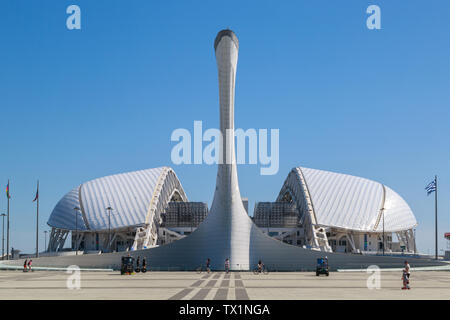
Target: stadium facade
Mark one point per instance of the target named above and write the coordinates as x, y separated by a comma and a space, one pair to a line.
315, 209
138, 200
327, 205
338, 213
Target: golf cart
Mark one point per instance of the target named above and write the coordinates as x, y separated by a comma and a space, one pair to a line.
127, 265
322, 266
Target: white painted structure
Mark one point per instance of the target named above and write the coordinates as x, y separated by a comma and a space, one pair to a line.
348, 213
137, 198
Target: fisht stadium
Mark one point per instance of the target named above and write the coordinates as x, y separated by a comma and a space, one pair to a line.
315, 209
138, 201
147, 214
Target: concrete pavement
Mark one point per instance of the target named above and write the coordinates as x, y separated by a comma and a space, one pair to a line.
218, 285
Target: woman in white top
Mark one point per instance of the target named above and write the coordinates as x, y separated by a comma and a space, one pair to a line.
407, 268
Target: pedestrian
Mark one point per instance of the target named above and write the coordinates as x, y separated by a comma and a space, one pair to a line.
407, 268
406, 276
29, 264
144, 264
405, 279
260, 266
227, 265
25, 264
208, 265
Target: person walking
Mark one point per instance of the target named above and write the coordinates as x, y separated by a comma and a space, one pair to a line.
138, 262
25, 265
208, 265
406, 276
29, 264
227, 265
405, 280
407, 268
144, 264
260, 266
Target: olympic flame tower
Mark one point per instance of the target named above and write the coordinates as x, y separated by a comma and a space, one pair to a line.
228, 217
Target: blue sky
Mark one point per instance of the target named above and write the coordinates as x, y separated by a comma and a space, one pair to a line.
81, 104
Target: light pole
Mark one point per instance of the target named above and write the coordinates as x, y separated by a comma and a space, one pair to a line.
415, 248
76, 229
8, 197
109, 209
3, 235
436, 217
37, 219
382, 212
45, 241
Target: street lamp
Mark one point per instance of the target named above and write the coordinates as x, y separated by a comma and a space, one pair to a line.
45, 241
3, 235
382, 212
76, 229
109, 209
415, 249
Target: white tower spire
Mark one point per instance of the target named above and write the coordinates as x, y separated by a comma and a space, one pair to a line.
228, 215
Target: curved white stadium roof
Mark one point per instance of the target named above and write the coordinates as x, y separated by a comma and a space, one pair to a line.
136, 197
348, 202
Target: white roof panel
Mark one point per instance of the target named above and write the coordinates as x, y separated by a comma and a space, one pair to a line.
63, 215
350, 202
131, 195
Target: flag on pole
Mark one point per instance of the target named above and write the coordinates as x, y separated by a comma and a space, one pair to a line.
37, 195
7, 191
431, 187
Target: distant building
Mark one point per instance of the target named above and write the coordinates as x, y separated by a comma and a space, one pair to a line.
343, 213
280, 220
181, 219
138, 201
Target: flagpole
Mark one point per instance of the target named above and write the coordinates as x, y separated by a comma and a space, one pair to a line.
7, 226
37, 221
436, 217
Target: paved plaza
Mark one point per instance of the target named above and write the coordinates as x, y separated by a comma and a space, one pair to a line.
218, 285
